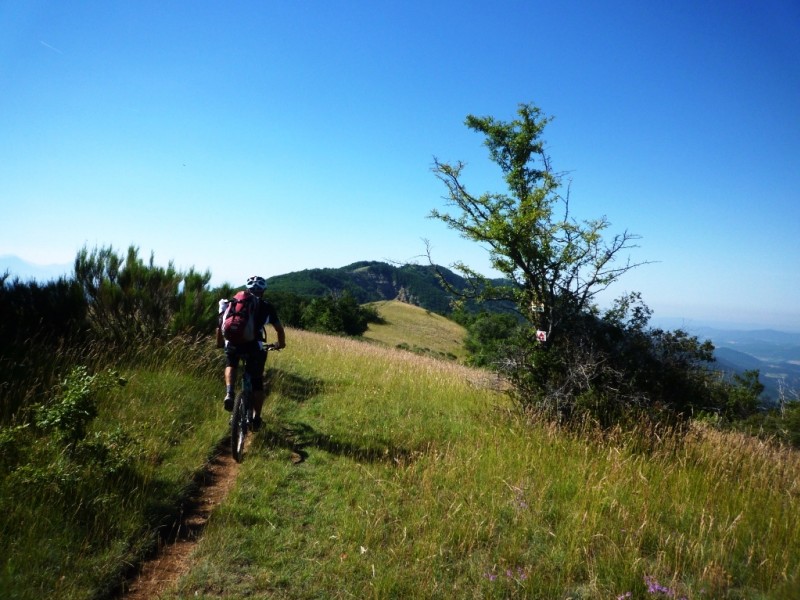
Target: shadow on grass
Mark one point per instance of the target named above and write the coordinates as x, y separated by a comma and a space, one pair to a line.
297, 437
294, 387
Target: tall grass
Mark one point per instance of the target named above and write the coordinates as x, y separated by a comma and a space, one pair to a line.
385, 474
78, 510
418, 480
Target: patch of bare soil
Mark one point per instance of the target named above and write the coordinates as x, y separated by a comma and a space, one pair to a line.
172, 559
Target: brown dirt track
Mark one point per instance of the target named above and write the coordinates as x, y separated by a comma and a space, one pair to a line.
174, 553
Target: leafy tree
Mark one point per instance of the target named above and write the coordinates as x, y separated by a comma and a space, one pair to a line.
555, 266
290, 306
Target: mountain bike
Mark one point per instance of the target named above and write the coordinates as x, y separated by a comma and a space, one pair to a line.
242, 416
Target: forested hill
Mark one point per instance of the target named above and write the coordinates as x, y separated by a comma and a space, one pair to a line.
371, 281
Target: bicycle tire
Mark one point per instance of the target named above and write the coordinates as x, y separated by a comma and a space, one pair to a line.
239, 426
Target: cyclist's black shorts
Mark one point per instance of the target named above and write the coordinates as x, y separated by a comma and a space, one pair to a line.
255, 358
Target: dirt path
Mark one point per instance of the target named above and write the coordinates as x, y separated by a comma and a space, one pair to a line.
172, 561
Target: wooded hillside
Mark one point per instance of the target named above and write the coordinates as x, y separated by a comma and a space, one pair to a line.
373, 281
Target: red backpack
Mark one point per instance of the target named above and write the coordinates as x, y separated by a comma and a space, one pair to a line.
239, 319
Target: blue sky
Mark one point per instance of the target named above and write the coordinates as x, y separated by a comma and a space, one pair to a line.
269, 137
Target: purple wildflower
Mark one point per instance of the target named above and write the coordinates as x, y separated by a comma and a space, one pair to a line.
654, 587
517, 573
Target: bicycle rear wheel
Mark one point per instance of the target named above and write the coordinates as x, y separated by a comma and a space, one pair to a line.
239, 426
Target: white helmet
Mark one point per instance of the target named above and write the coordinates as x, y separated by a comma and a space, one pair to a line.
256, 284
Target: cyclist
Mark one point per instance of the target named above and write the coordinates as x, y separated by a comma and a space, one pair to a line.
253, 353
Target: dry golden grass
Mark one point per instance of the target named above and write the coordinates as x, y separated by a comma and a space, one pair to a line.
417, 328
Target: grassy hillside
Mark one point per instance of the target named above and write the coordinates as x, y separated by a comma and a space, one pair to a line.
418, 481
416, 329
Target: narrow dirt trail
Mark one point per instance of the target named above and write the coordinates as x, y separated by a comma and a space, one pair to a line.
172, 560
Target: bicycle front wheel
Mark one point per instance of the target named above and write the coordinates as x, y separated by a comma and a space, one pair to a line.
239, 426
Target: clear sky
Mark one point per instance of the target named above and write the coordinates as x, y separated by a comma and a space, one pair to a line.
273, 136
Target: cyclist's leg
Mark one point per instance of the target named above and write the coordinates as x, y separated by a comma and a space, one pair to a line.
231, 364
256, 360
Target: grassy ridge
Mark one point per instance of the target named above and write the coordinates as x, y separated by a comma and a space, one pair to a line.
414, 328
419, 481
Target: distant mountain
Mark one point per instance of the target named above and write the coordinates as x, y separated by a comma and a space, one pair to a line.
17, 267
372, 281
775, 375
776, 355
735, 360
765, 344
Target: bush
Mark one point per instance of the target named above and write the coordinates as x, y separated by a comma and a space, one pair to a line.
195, 306
37, 322
60, 454
128, 298
337, 315
488, 334
45, 311
741, 399
782, 424
75, 406
613, 365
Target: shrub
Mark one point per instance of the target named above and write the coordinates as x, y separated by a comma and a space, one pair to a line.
47, 311
781, 424
612, 365
488, 334
336, 315
75, 406
128, 298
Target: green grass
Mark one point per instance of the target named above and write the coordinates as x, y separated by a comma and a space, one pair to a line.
416, 329
419, 481
74, 517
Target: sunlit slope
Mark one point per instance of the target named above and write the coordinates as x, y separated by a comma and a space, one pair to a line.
417, 329
385, 474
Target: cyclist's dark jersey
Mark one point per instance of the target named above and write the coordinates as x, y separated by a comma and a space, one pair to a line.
266, 315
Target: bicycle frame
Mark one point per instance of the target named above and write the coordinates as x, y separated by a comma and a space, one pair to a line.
242, 417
